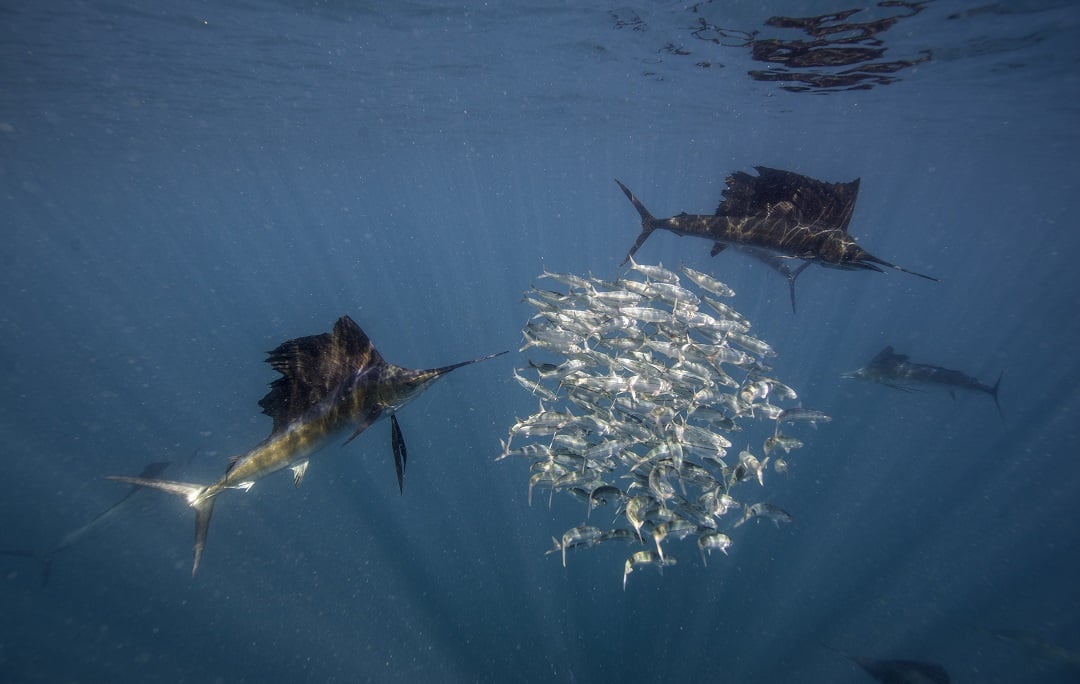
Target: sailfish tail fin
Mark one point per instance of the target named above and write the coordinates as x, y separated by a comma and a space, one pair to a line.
994, 394
194, 495
648, 222
42, 557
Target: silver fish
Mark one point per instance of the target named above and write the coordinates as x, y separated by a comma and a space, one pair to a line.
657, 273
582, 536
644, 558
713, 540
765, 510
707, 282
792, 415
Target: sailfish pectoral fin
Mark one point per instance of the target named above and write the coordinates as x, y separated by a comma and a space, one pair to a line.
397, 442
791, 281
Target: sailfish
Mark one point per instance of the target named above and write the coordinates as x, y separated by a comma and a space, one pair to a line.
791, 215
332, 385
899, 372
898, 671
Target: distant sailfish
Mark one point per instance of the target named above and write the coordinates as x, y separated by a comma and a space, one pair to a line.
902, 671
45, 557
898, 671
333, 385
789, 214
898, 371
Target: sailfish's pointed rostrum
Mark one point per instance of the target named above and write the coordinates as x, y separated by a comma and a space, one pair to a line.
789, 214
332, 386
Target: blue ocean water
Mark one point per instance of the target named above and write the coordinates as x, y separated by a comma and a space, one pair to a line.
186, 186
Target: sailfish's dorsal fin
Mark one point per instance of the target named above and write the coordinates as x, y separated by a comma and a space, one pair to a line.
887, 357
312, 367
813, 202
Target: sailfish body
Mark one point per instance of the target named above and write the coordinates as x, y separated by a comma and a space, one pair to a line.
333, 385
899, 371
786, 213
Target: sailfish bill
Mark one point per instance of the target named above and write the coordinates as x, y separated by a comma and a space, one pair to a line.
332, 385
784, 212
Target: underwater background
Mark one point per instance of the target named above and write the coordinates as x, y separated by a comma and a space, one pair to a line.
184, 187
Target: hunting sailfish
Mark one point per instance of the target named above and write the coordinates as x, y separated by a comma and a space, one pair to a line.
899, 372
789, 214
898, 671
332, 385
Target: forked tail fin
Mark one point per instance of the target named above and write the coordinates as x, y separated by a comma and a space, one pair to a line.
994, 394
648, 222
194, 495
42, 557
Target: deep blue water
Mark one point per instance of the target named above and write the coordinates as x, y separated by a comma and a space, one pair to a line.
183, 188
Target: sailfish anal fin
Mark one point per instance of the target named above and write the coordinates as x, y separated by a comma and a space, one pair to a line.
299, 470
397, 442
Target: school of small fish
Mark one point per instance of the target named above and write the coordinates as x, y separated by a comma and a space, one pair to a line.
651, 379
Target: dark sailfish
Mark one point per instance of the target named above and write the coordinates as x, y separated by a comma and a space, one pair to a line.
1039, 648
899, 372
902, 671
333, 385
898, 671
789, 214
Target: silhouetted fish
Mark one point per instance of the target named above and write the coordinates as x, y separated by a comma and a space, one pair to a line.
45, 557
1037, 648
895, 370
332, 385
780, 211
902, 671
